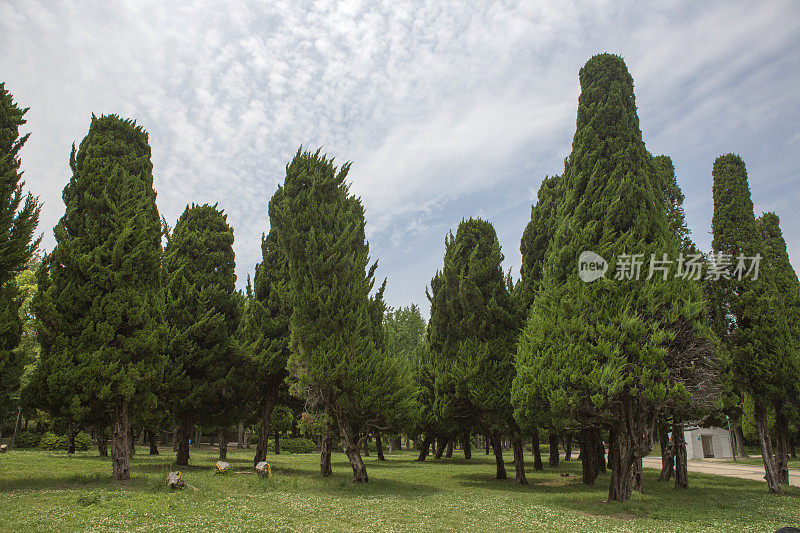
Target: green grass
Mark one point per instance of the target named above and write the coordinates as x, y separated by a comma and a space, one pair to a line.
757, 461
51, 491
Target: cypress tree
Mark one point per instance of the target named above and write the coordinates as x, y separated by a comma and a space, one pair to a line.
472, 332
595, 352
788, 296
19, 216
757, 339
267, 331
337, 363
102, 329
202, 312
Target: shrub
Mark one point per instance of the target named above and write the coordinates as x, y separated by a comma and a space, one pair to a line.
297, 445
83, 441
27, 439
51, 441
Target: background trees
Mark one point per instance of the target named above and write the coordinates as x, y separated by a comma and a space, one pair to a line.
202, 312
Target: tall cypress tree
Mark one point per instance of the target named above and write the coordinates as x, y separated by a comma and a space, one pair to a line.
202, 312
758, 339
267, 331
103, 327
19, 216
788, 294
337, 362
596, 351
472, 333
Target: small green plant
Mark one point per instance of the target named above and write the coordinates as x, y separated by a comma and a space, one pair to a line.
51, 441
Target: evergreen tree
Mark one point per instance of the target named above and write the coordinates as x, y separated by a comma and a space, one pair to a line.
19, 216
405, 332
100, 294
472, 334
267, 331
758, 340
202, 312
337, 363
788, 296
596, 351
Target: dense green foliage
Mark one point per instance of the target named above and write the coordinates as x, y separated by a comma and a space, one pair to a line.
203, 316
100, 301
595, 352
19, 216
338, 362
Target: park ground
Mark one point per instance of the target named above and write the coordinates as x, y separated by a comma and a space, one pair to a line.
52, 491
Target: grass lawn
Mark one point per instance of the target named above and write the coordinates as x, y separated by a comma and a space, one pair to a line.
757, 461
51, 491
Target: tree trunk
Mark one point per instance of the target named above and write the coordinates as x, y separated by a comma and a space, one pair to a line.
351, 449
71, 439
498, 456
553, 440
588, 456
537, 453
667, 453
277, 443
621, 452
637, 474
366, 446
739, 438
325, 469
771, 473
679, 450
263, 434
567, 446
425, 448
240, 436
185, 427
102, 447
519, 460
120, 449
379, 446
440, 444
151, 437
486, 443
223, 443
466, 444
600, 450
198, 437
449, 449
781, 446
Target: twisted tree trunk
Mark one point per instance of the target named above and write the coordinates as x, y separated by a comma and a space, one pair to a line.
588, 456
599, 450
326, 447
449, 449
425, 448
102, 448
537, 453
681, 466
498, 456
151, 439
263, 433
352, 449
567, 446
781, 446
667, 453
120, 449
739, 438
185, 427
553, 440
466, 444
771, 472
223, 443
519, 460
379, 446
621, 452
440, 445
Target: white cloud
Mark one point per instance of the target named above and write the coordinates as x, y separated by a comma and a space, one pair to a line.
440, 104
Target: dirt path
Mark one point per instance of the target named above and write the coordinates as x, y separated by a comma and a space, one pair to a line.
728, 469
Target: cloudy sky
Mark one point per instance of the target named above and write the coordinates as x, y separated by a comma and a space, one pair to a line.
447, 109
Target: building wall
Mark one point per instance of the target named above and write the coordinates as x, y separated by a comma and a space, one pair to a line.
720, 441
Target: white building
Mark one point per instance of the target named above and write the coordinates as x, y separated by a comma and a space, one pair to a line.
703, 443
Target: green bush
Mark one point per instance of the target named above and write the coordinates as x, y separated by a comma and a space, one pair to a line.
83, 441
297, 445
51, 441
27, 439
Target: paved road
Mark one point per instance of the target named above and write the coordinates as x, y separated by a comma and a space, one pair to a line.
728, 469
